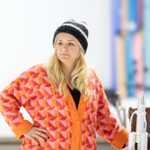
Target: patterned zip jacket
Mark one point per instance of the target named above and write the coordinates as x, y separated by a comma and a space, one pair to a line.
68, 128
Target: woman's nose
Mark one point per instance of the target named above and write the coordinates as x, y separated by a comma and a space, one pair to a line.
65, 46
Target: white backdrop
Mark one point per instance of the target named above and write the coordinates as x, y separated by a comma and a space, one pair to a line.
27, 28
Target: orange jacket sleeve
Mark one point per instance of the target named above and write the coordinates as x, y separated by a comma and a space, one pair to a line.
15, 95
107, 125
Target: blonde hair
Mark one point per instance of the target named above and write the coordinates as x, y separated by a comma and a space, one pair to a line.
79, 76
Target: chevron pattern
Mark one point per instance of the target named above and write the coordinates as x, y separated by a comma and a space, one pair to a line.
67, 128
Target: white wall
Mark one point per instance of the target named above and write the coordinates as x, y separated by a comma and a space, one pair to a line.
27, 27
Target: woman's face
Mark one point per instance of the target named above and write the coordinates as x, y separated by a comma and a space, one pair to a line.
67, 48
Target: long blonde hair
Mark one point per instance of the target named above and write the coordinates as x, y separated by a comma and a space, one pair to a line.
79, 76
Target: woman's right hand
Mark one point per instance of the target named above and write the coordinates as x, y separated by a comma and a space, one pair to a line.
37, 135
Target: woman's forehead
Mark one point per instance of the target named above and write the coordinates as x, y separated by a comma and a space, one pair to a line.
65, 36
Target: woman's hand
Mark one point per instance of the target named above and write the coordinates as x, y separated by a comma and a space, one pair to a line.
37, 135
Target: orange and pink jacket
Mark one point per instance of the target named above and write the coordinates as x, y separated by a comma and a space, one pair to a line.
68, 128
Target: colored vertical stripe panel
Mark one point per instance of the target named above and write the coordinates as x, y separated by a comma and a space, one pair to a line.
140, 14
129, 65
121, 72
147, 46
124, 17
116, 4
138, 63
132, 15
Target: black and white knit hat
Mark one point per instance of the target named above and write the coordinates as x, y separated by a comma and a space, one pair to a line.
78, 30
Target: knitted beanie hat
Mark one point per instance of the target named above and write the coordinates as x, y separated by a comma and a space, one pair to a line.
78, 30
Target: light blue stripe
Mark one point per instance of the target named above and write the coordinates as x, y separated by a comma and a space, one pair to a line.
146, 24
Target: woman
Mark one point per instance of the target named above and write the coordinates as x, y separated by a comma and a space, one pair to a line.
64, 98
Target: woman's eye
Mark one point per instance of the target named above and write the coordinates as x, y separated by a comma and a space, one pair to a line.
71, 44
59, 43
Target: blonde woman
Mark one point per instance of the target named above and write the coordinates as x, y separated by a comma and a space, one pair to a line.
64, 98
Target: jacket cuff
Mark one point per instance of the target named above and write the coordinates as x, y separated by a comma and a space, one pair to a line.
121, 139
22, 128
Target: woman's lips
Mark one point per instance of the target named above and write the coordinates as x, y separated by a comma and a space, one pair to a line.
65, 55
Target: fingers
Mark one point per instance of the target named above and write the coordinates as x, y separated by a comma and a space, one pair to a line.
40, 129
34, 140
37, 135
40, 132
